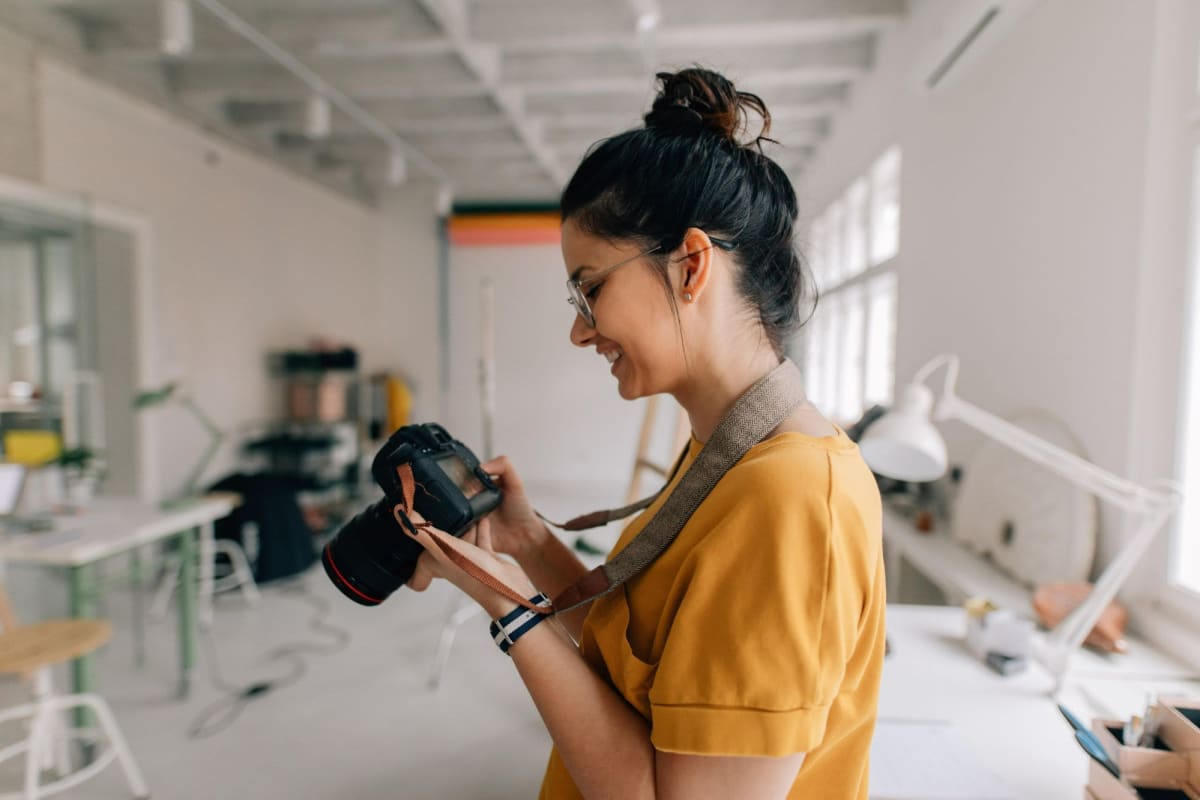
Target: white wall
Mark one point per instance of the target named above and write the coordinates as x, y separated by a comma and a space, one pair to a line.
558, 414
247, 258
18, 107
1022, 200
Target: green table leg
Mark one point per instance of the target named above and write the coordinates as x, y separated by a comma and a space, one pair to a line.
137, 578
187, 609
83, 606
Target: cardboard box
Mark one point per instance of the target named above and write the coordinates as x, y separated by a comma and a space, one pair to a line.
1180, 728
1103, 786
1143, 766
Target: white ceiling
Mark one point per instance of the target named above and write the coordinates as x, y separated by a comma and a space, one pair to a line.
500, 97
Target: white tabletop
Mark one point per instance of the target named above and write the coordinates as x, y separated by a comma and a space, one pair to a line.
1010, 725
108, 526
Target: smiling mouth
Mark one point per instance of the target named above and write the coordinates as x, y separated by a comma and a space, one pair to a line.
613, 355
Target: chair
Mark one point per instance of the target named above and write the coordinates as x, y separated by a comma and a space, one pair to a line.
239, 577
29, 651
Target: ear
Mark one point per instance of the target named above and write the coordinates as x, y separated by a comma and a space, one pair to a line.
694, 259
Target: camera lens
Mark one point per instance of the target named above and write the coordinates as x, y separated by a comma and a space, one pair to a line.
371, 556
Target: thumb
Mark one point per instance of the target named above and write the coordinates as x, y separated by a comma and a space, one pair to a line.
483, 535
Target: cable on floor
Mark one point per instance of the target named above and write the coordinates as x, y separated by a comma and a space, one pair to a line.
219, 716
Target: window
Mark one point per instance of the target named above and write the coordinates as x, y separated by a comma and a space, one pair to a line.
850, 344
856, 228
1183, 590
881, 340
1186, 561
885, 207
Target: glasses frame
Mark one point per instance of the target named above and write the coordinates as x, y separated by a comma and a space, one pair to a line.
577, 288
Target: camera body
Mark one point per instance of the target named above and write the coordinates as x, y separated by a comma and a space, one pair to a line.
371, 556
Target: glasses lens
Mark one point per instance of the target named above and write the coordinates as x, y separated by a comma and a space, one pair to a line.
576, 298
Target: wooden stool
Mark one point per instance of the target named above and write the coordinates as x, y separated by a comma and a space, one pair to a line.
29, 651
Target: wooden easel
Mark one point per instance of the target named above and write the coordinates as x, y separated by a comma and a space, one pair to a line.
643, 461
594, 543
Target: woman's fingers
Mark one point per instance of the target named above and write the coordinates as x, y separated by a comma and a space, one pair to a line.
483, 535
422, 576
501, 470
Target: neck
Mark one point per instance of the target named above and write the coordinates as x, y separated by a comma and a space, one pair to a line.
712, 389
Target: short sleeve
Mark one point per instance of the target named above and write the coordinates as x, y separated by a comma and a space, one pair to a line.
763, 623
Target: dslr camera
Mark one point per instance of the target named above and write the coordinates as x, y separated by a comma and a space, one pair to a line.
371, 556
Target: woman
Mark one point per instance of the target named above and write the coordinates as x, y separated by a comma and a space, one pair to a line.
744, 661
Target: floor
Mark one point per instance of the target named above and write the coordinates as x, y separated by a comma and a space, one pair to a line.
359, 722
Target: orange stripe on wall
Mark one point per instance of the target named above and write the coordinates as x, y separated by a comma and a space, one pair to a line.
480, 230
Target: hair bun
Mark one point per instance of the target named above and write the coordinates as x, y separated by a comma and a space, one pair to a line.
697, 101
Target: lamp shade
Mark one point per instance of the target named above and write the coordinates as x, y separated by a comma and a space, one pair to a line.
903, 444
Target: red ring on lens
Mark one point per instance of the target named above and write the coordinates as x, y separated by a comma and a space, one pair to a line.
345, 583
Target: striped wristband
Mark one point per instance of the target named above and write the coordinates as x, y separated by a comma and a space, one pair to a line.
515, 624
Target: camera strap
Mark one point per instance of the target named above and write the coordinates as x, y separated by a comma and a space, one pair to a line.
753, 416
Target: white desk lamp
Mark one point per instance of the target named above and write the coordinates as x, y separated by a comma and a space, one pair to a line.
904, 445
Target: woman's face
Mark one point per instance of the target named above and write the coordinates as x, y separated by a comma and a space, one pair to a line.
636, 331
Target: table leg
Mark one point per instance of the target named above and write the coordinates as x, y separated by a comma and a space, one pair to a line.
207, 565
82, 579
187, 609
137, 578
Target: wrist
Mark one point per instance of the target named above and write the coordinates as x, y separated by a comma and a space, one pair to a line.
533, 538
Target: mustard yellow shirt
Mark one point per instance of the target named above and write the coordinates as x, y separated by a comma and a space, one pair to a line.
760, 630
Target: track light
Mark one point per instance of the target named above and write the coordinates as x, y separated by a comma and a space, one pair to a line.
318, 117
397, 168
178, 34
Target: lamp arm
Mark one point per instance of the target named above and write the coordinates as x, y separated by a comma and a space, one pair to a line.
1067, 637
1119, 491
216, 437
204, 419
951, 362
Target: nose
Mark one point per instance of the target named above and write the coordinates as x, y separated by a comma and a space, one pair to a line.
582, 334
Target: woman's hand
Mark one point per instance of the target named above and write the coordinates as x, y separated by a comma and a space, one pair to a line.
476, 546
516, 528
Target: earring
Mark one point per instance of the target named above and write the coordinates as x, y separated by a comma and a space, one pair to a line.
687, 296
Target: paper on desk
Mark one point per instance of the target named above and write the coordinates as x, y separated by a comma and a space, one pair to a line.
926, 760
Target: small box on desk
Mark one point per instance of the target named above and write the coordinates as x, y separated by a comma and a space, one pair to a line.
1103, 786
1161, 766
1179, 726
1168, 771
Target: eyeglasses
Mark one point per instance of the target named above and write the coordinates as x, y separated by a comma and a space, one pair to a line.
577, 290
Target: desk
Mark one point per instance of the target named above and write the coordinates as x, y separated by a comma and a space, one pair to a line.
1010, 723
114, 525
956, 571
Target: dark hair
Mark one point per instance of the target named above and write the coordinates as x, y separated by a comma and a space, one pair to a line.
688, 168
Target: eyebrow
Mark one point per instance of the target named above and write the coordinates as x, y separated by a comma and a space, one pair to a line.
579, 270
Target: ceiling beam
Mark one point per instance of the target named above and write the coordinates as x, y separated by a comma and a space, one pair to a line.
764, 79
519, 23
321, 86
452, 16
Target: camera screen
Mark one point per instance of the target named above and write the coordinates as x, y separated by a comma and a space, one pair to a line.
456, 469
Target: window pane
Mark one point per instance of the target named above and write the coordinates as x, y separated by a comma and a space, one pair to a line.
850, 363
856, 228
816, 250
835, 231
814, 386
881, 340
830, 328
885, 207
